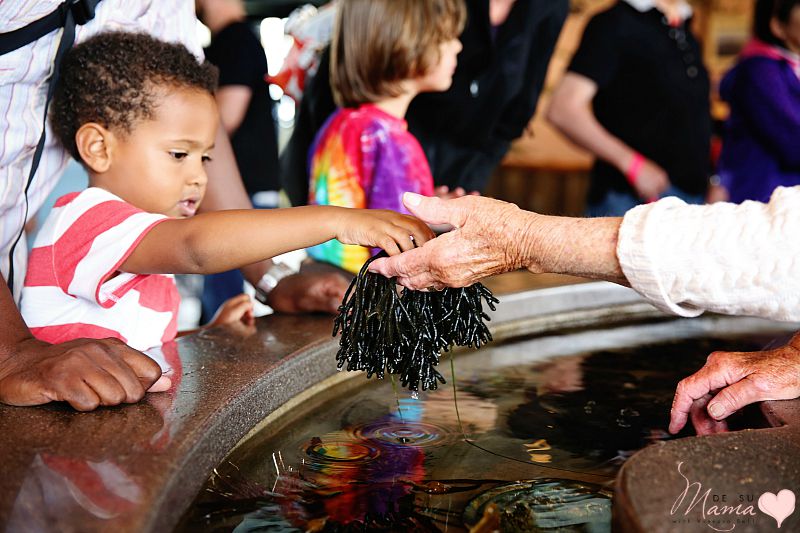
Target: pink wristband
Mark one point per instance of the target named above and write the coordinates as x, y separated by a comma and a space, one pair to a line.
635, 166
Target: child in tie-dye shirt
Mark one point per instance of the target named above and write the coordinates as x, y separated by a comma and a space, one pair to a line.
383, 53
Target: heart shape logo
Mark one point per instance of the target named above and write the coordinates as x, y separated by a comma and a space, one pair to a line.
778, 507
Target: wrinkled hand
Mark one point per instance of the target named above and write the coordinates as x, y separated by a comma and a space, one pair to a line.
651, 181
481, 244
236, 310
730, 380
381, 228
86, 373
701, 421
309, 292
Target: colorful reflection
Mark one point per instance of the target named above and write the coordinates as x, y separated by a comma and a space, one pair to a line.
367, 473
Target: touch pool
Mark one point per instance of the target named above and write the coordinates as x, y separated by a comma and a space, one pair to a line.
532, 441
235, 400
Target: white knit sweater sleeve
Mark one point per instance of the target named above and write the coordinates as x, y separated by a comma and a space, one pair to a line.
727, 258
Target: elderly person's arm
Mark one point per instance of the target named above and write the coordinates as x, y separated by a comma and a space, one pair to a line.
492, 237
726, 258
734, 259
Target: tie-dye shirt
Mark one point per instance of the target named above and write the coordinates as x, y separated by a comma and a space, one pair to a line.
364, 158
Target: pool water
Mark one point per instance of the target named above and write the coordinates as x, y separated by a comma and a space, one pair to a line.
532, 441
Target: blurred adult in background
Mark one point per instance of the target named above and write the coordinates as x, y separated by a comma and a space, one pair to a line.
636, 95
247, 115
465, 131
761, 146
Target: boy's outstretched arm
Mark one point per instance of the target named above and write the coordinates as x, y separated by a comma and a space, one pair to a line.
86, 373
225, 190
299, 293
219, 241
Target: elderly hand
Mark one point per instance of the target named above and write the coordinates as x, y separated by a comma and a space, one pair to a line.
736, 379
487, 240
86, 373
701, 421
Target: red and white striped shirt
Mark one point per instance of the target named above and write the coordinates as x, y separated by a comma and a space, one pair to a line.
73, 288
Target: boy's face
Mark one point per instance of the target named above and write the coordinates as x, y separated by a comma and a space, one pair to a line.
440, 76
160, 165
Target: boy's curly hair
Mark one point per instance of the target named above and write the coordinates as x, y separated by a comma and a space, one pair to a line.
113, 79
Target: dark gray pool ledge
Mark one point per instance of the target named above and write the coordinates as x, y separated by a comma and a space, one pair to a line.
139, 467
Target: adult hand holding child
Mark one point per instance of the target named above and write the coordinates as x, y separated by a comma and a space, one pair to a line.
86, 373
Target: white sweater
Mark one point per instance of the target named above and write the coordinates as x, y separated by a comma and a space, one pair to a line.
726, 258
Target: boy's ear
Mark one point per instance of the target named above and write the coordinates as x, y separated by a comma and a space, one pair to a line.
94, 143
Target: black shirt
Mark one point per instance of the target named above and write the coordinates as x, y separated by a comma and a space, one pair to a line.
238, 54
467, 130
653, 94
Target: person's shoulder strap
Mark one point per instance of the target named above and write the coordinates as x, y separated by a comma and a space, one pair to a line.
82, 12
76, 12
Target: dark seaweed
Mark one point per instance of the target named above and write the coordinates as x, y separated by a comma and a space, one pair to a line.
384, 332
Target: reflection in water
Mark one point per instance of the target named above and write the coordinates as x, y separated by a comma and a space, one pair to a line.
57, 487
416, 434
268, 519
622, 406
363, 479
334, 453
368, 461
541, 505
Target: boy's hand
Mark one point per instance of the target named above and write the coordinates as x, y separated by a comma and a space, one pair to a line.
381, 228
237, 310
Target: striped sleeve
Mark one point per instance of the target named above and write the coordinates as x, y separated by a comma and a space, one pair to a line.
92, 236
